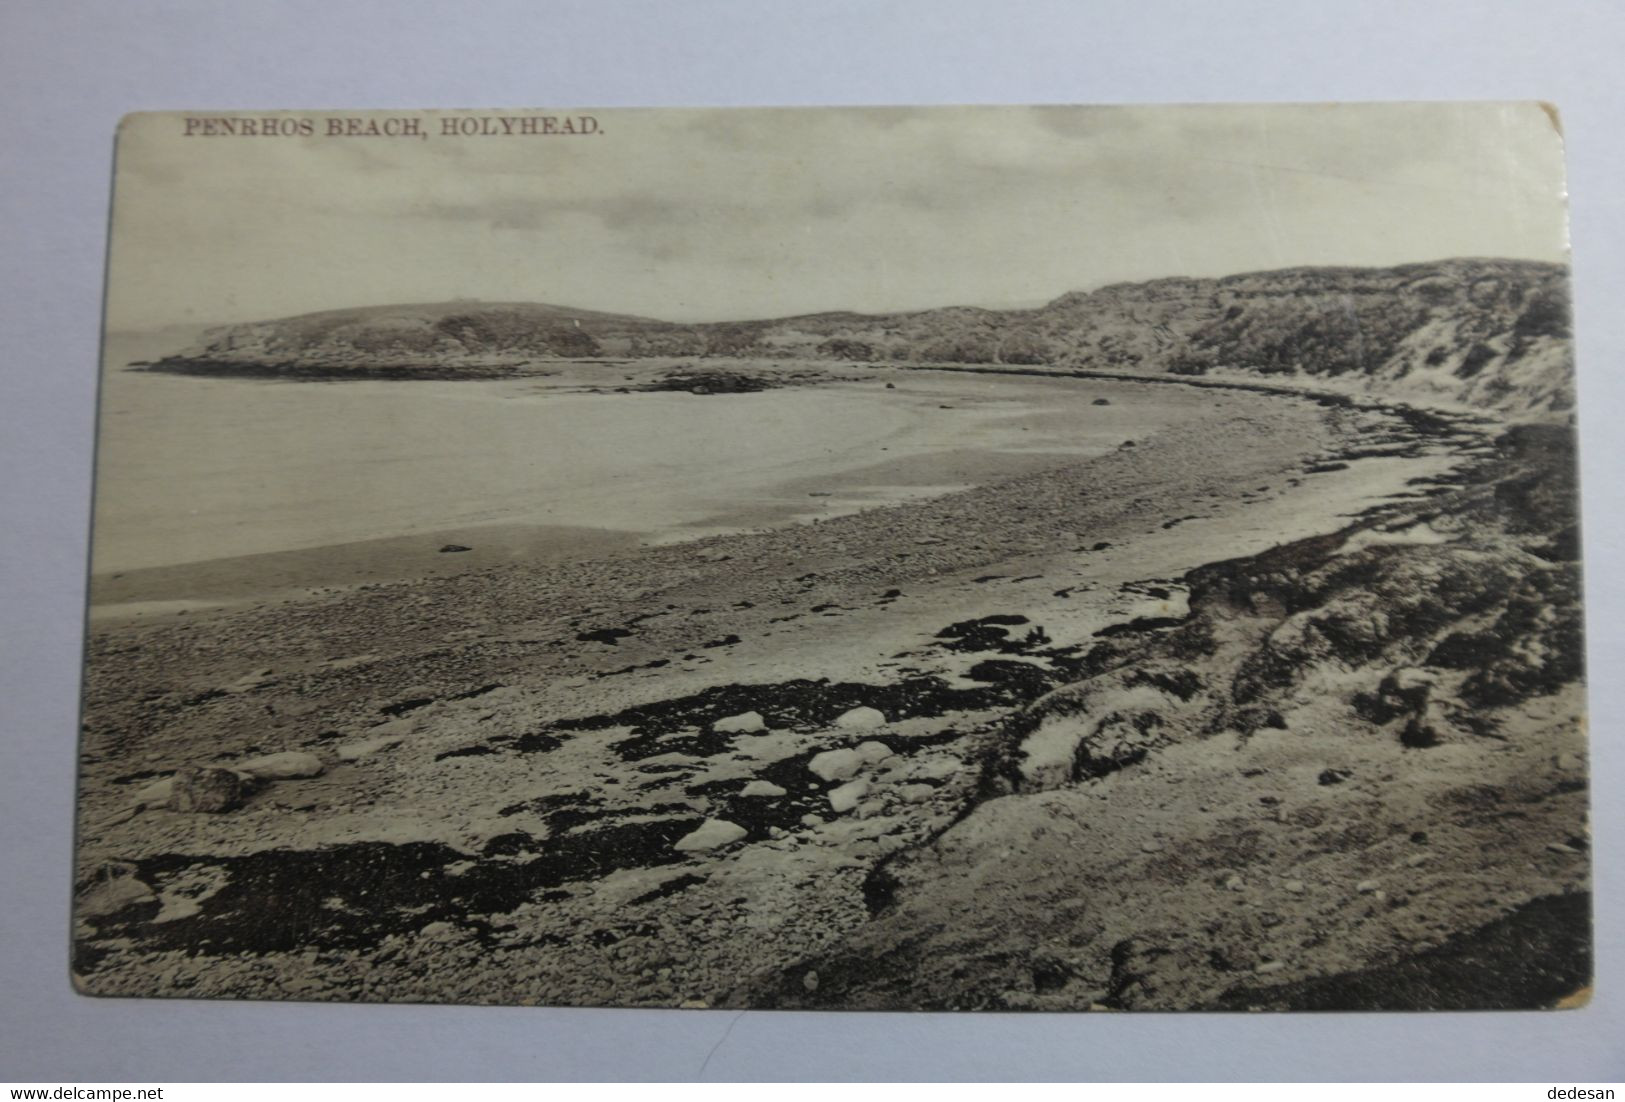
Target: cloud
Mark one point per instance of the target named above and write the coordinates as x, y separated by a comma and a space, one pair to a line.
693, 214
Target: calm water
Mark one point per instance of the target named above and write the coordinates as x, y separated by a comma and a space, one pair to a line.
191, 469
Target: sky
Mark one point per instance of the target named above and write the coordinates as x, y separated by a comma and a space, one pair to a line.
730, 214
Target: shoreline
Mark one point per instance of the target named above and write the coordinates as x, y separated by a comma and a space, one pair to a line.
510, 687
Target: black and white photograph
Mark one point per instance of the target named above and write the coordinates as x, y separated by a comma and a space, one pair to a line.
1050, 558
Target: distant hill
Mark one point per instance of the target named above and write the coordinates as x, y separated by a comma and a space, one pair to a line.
1490, 332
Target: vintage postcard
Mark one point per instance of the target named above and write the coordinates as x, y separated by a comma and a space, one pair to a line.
1051, 558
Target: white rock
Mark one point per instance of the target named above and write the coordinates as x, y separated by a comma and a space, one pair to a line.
872, 752
915, 793
283, 766
711, 834
846, 797
1296, 887
1365, 886
1234, 882
861, 719
156, 793
1270, 966
366, 748
836, 765
744, 723
935, 768
761, 788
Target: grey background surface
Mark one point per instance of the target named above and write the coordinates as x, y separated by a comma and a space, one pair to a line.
69, 70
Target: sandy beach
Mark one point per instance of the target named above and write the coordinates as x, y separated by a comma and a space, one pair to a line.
520, 751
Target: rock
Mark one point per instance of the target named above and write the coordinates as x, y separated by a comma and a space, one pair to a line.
366, 748
284, 766
810, 820
1415, 860
836, 765
1366, 886
206, 788
1559, 847
761, 788
711, 834
1235, 883
1334, 776
1269, 966
846, 797
1101, 402
1296, 887
915, 793
1418, 735
861, 719
809, 981
744, 723
155, 794
453, 548
1151, 846
873, 752
116, 887
1571, 763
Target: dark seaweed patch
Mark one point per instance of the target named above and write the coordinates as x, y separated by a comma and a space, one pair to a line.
465, 752
401, 707
669, 887
794, 705
352, 896
608, 636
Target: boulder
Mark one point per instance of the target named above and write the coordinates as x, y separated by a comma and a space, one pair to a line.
915, 793
709, 835
861, 719
366, 748
761, 788
284, 766
873, 752
207, 788
744, 723
836, 765
848, 796
155, 794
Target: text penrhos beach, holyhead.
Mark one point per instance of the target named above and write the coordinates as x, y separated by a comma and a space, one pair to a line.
985, 558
